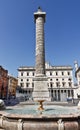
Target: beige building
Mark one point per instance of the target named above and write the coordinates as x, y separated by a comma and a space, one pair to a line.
12, 85
60, 81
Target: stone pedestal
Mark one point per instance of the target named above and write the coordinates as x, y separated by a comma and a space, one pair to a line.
40, 89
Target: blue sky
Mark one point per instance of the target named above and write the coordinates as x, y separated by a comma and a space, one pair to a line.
17, 32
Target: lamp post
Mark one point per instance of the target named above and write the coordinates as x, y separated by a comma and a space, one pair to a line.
59, 92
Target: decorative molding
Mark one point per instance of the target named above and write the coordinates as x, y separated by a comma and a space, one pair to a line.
60, 124
20, 124
1, 120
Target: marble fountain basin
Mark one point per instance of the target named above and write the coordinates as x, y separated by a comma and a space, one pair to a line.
28, 117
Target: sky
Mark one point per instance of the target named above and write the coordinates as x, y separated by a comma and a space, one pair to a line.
17, 32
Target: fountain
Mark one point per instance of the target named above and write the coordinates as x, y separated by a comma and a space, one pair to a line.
30, 116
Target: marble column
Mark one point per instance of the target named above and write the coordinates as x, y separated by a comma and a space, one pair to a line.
40, 47
40, 81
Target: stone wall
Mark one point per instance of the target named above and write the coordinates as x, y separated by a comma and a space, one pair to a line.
41, 122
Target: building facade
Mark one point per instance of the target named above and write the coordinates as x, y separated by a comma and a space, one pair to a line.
60, 81
12, 85
3, 83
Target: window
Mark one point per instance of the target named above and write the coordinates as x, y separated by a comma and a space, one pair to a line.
64, 91
61, 91
51, 85
27, 73
50, 79
22, 84
50, 73
56, 79
29, 91
10, 80
63, 84
32, 84
21, 73
57, 84
33, 73
68, 93
27, 84
70, 84
21, 79
62, 73
72, 93
56, 73
27, 79
69, 79
68, 73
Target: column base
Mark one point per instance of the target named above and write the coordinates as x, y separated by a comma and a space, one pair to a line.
40, 91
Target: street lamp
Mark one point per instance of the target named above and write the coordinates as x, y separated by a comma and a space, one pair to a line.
59, 91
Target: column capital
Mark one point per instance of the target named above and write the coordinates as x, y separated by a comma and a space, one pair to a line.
39, 13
